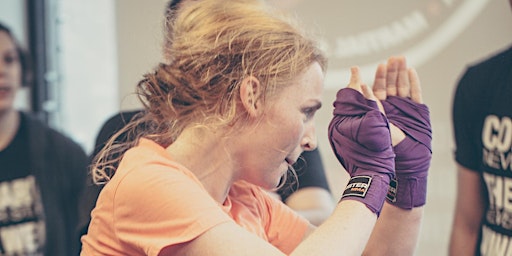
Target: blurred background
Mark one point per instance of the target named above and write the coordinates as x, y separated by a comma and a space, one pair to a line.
89, 55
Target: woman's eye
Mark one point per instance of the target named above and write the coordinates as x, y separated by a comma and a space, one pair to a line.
309, 113
10, 58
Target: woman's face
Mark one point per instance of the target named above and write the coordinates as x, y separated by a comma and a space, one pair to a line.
287, 129
10, 72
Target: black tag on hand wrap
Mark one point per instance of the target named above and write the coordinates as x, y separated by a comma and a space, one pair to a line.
357, 186
391, 196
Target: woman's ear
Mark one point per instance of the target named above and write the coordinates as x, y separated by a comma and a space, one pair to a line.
250, 92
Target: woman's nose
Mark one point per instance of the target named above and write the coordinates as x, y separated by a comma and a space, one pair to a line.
309, 142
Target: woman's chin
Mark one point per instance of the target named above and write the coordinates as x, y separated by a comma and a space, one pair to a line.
271, 185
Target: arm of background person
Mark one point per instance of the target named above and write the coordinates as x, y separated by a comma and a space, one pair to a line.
469, 210
312, 197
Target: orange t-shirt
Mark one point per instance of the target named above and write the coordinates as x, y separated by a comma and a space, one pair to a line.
153, 202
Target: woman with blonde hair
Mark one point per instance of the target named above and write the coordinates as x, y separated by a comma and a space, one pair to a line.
226, 117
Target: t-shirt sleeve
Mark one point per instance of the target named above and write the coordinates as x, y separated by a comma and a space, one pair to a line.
170, 208
465, 118
285, 228
310, 173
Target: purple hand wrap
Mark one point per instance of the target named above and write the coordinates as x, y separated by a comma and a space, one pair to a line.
413, 154
360, 138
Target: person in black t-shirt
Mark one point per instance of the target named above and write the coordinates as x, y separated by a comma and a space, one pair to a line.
41, 171
482, 124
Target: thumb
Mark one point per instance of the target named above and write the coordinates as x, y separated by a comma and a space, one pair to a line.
368, 94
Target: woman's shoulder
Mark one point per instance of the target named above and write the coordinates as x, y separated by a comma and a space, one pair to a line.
149, 160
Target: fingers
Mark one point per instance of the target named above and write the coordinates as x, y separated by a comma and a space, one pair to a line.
395, 79
392, 76
368, 94
403, 83
357, 84
379, 85
355, 79
415, 86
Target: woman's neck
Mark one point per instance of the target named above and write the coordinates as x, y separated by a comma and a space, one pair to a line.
205, 154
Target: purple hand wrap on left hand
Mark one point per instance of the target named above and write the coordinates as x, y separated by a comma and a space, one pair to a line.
413, 154
360, 137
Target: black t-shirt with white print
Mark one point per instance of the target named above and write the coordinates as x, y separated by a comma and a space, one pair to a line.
482, 119
22, 229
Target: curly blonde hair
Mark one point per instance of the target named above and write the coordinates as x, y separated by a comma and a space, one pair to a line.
212, 47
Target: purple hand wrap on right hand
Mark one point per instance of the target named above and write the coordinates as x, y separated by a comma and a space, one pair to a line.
360, 138
413, 154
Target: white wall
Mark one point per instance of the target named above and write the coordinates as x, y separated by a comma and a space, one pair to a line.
12, 13
139, 37
86, 66
439, 37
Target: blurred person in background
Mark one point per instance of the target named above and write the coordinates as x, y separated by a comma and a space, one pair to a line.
41, 170
482, 125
